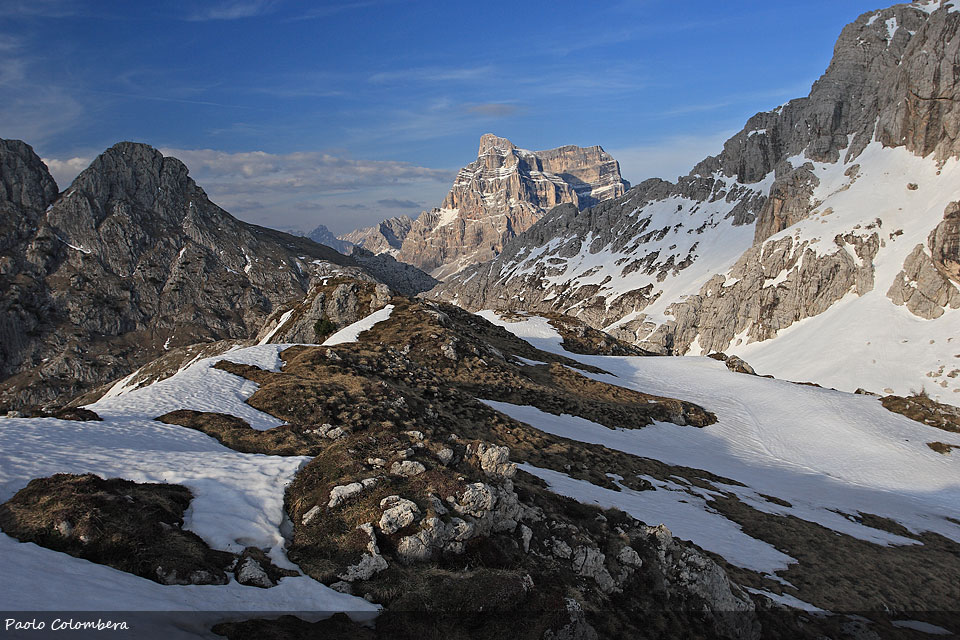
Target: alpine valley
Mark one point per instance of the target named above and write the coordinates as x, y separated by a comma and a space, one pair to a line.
554, 407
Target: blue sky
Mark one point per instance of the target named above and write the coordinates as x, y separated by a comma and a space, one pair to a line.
293, 113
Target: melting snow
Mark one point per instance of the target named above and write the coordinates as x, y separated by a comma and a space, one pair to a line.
829, 454
238, 498
351, 332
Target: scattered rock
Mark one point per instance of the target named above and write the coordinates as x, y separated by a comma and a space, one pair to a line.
495, 460
371, 563
398, 513
340, 493
312, 513
407, 468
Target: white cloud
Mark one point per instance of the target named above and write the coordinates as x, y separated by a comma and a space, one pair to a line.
256, 172
64, 171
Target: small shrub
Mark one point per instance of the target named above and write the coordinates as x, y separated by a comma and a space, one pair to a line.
323, 328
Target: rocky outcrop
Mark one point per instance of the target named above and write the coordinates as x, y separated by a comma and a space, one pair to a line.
502, 193
944, 244
922, 287
131, 260
930, 280
385, 237
332, 304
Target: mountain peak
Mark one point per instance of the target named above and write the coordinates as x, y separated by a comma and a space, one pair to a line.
490, 141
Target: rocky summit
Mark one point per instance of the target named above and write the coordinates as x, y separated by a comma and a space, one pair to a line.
500, 194
133, 260
831, 210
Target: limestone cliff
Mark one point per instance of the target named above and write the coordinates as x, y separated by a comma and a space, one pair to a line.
500, 194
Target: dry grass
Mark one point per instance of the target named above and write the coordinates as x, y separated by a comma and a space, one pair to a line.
942, 447
125, 525
925, 410
233, 432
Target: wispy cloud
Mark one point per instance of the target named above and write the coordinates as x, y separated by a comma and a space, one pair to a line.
39, 8
233, 10
433, 74
33, 109
202, 103
394, 203
332, 8
494, 109
259, 172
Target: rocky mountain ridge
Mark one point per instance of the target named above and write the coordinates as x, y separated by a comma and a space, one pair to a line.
384, 237
132, 260
769, 232
322, 235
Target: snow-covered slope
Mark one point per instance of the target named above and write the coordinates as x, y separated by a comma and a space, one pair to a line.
825, 456
821, 244
238, 498
864, 339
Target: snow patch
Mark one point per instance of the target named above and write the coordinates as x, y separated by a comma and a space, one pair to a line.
352, 332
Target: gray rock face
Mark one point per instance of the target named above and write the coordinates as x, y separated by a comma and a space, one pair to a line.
502, 193
402, 277
385, 237
930, 279
775, 284
890, 80
322, 235
335, 298
132, 259
26, 190
688, 571
944, 243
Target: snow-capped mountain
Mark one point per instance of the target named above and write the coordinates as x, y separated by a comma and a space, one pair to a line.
821, 242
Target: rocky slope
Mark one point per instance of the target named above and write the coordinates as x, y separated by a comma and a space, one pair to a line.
385, 237
130, 261
483, 476
825, 199
500, 194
